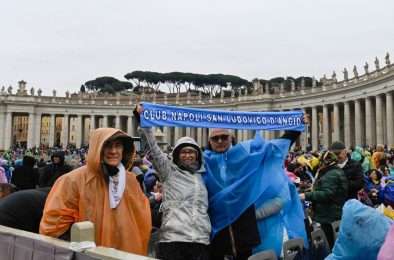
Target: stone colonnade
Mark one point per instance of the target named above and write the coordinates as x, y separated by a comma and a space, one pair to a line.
364, 121
83, 124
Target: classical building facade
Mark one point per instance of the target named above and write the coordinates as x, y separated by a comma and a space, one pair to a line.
357, 110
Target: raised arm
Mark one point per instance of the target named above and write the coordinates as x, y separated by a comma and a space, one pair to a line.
151, 149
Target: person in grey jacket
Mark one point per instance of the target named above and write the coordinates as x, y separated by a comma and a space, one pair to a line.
185, 228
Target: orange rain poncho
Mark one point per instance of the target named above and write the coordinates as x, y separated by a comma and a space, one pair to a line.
82, 195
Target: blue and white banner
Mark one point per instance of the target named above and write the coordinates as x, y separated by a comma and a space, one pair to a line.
160, 115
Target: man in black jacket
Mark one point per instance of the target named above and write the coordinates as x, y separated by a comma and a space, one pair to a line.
53, 171
352, 169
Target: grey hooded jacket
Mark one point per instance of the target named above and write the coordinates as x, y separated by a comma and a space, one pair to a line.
185, 197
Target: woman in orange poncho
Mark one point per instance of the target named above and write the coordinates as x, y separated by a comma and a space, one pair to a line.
103, 192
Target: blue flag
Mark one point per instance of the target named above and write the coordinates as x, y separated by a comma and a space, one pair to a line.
161, 115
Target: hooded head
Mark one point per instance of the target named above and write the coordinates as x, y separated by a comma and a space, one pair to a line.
186, 144
327, 160
29, 161
59, 155
357, 155
99, 138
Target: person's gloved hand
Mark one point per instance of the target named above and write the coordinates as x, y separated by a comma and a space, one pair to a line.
137, 112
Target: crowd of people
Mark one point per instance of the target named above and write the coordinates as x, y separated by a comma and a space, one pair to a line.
223, 201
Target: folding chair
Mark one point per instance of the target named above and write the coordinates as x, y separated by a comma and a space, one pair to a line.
294, 249
319, 247
264, 255
335, 228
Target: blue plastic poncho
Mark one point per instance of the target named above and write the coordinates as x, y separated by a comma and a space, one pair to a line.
252, 173
361, 234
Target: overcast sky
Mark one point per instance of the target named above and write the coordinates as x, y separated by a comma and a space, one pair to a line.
62, 44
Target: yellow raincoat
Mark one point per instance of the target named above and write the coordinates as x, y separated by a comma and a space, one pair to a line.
82, 195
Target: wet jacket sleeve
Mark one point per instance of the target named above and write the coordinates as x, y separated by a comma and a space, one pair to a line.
155, 154
270, 207
61, 208
327, 190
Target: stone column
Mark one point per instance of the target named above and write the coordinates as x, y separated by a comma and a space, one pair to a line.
315, 129
134, 126
204, 137
326, 127
303, 139
105, 121
245, 135
79, 131
129, 125
30, 131
389, 119
347, 120
199, 136
2, 123
239, 136
52, 130
117, 122
176, 134
2, 119
65, 131
193, 133
379, 120
92, 122
368, 122
336, 123
38, 124
8, 131
359, 125
188, 132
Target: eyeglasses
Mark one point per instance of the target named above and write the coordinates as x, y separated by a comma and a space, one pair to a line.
189, 152
215, 139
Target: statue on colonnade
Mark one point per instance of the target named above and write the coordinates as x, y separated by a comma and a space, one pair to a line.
377, 63
355, 71
314, 83
293, 86
366, 66
334, 77
387, 58
345, 74
256, 87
